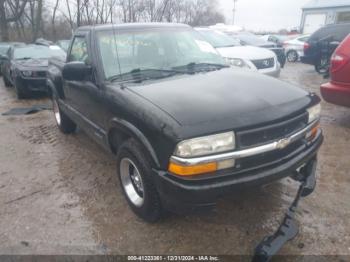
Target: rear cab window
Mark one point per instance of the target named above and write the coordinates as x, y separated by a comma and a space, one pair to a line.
79, 50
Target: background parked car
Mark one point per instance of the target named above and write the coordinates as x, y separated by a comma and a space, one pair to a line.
294, 48
319, 48
4, 47
64, 44
25, 67
42, 41
337, 91
277, 39
251, 57
247, 38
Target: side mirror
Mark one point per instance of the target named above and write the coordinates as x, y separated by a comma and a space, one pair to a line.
76, 71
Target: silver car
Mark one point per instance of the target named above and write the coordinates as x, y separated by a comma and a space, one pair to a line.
294, 48
253, 58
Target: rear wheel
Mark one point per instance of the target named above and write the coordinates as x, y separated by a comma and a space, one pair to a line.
135, 177
64, 123
322, 65
292, 56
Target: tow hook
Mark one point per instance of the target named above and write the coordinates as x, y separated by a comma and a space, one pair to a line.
288, 229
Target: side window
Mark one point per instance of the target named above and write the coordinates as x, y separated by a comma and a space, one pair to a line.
304, 39
321, 34
79, 50
272, 39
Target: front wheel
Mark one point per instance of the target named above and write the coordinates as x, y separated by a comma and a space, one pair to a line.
135, 177
64, 123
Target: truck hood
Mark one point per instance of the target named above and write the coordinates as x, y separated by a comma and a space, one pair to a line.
214, 99
246, 52
33, 62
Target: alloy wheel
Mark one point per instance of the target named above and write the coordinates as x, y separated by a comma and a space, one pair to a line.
132, 181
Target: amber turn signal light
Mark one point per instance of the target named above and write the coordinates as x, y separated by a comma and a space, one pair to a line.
192, 170
313, 132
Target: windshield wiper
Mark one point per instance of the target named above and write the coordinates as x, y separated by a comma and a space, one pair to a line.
23, 58
223, 46
200, 66
139, 75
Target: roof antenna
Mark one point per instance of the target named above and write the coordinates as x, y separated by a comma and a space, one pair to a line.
115, 32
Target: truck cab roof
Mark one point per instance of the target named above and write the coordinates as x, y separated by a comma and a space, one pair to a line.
131, 26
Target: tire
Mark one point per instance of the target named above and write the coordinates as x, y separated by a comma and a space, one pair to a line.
6, 81
64, 123
135, 178
292, 56
21, 93
322, 66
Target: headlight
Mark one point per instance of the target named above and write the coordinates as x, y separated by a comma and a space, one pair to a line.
237, 62
314, 113
201, 146
206, 145
27, 73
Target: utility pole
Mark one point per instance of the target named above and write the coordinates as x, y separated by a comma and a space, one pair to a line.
234, 11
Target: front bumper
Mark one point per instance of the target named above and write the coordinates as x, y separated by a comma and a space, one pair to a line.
288, 229
33, 84
181, 194
274, 73
334, 93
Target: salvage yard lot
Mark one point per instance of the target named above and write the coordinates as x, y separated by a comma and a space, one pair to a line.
59, 195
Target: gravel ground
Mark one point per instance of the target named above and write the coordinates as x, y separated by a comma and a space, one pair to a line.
59, 195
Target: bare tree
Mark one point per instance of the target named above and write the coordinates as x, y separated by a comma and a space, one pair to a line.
38, 19
53, 19
6, 16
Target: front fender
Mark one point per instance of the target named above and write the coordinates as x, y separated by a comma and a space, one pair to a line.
132, 131
55, 86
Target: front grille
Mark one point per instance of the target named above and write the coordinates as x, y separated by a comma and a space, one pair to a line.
266, 134
264, 63
39, 74
270, 158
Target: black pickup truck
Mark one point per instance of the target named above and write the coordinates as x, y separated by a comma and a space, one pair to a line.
185, 127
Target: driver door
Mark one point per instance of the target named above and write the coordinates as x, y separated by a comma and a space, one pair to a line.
83, 96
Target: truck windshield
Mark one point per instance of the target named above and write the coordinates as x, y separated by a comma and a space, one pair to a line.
159, 49
38, 52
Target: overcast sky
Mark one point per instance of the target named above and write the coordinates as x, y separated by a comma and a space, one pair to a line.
264, 14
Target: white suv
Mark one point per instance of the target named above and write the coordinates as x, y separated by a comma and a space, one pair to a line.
254, 58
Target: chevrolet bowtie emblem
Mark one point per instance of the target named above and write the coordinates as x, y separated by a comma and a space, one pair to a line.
283, 143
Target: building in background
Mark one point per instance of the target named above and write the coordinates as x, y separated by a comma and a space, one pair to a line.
318, 13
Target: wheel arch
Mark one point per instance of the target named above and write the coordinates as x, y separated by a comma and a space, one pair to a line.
55, 86
121, 130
